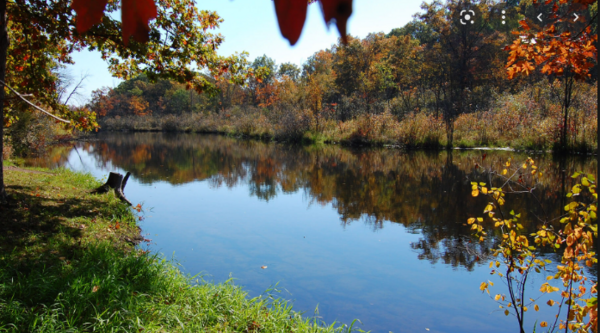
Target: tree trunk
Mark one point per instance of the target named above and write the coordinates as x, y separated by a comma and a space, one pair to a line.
116, 182
3, 53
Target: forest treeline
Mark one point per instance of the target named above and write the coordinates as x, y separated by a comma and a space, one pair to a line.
429, 83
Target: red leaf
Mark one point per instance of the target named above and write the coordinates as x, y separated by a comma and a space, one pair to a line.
291, 15
340, 10
135, 15
89, 12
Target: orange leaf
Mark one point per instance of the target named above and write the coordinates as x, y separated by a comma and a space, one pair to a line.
291, 15
89, 12
135, 15
340, 10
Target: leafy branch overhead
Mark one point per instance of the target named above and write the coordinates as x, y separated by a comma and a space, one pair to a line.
136, 16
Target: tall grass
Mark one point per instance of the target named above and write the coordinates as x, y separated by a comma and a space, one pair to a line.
101, 289
529, 119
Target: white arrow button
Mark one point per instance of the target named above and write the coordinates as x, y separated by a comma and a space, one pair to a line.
539, 17
576, 17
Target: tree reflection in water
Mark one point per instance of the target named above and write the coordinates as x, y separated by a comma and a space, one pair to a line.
427, 192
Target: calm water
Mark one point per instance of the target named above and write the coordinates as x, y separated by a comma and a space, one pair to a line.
376, 235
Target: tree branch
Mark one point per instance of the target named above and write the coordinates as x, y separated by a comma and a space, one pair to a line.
33, 105
77, 86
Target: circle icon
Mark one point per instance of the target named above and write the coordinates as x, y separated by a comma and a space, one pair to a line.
467, 15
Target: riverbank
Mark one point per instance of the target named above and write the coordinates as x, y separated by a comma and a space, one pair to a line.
68, 264
414, 131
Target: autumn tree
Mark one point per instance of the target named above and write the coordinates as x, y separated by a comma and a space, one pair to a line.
564, 48
463, 54
44, 33
290, 70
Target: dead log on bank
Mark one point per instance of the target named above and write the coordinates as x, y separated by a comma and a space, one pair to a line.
116, 182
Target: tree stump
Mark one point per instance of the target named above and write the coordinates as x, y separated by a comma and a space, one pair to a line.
116, 182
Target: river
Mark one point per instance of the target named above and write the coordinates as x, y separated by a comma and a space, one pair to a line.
377, 235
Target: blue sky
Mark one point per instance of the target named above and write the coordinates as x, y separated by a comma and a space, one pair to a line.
252, 26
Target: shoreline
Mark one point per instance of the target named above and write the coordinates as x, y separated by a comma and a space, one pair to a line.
346, 143
68, 263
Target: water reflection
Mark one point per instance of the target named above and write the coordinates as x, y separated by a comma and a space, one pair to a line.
373, 234
426, 192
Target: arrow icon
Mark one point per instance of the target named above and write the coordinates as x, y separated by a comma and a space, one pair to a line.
539, 18
576, 17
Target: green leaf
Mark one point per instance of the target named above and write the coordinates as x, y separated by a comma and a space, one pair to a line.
576, 174
512, 212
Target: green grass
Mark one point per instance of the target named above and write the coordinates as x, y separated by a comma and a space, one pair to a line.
65, 266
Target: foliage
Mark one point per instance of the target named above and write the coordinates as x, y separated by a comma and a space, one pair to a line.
44, 35
529, 119
562, 48
428, 70
518, 252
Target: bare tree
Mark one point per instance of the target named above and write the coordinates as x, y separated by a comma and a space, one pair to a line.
67, 82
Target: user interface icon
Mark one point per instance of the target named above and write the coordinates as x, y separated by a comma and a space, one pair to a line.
467, 17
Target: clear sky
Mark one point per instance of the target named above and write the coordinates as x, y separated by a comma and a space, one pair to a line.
251, 25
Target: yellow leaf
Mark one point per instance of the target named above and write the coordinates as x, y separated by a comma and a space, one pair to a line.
524, 309
484, 190
475, 193
497, 297
504, 172
544, 324
524, 166
585, 181
536, 308
571, 205
484, 287
471, 220
551, 302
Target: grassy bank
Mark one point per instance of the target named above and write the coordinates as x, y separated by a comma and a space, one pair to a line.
67, 264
